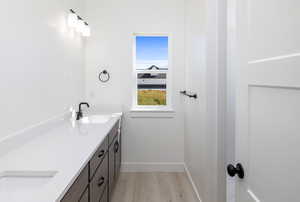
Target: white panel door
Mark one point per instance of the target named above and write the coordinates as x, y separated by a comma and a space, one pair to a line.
268, 100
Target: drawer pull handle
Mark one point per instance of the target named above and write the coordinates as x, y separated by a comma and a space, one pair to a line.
102, 152
101, 181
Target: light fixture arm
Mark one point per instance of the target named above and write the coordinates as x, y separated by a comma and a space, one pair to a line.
82, 26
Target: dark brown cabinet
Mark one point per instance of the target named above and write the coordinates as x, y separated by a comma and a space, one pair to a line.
85, 196
105, 195
78, 188
97, 180
117, 157
98, 157
114, 161
111, 167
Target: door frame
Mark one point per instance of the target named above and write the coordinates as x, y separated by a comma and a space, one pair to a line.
223, 95
231, 79
217, 76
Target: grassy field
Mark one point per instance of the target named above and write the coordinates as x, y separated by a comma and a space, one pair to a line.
151, 97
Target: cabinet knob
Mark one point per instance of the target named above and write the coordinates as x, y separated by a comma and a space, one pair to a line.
116, 147
101, 181
102, 152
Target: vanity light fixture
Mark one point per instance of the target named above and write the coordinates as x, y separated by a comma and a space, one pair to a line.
76, 22
80, 25
86, 30
72, 19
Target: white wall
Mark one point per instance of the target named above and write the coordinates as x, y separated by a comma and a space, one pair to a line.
41, 72
205, 121
195, 147
145, 140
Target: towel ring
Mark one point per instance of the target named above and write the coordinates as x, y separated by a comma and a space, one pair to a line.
104, 76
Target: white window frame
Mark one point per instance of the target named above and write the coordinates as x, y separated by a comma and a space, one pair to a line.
168, 106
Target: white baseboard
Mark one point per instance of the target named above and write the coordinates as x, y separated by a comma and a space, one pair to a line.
192, 182
152, 167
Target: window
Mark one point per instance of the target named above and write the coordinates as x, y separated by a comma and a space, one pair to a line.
151, 72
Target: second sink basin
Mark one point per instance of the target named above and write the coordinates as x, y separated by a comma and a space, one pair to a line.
17, 186
100, 119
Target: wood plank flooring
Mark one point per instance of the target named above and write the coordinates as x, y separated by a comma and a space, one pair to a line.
153, 187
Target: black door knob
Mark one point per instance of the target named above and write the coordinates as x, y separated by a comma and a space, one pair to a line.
238, 170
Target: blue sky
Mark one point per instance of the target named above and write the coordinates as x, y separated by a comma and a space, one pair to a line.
151, 48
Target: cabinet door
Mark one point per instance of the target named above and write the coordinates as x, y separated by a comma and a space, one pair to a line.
117, 150
111, 167
78, 188
105, 196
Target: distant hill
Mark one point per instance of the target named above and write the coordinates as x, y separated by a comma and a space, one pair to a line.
154, 67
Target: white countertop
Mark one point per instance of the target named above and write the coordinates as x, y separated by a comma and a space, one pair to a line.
65, 148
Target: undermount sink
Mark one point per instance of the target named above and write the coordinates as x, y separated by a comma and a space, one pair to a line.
99, 119
16, 186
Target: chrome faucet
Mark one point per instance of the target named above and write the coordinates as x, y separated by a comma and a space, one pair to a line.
79, 113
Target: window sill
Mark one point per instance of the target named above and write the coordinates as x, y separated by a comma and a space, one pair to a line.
152, 113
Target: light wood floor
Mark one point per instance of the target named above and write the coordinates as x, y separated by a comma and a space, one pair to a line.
153, 187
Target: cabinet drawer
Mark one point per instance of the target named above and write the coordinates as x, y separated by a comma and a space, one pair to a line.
79, 186
99, 181
105, 195
98, 157
113, 133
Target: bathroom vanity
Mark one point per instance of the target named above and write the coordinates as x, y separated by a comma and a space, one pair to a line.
97, 180
62, 161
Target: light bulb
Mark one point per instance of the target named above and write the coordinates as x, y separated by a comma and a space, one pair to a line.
86, 30
80, 26
72, 20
